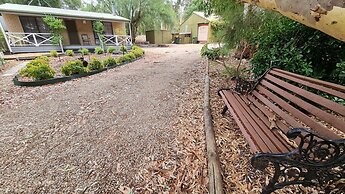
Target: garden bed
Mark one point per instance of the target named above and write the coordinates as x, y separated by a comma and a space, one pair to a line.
55, 69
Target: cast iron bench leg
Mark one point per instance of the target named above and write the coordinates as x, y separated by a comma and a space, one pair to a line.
316, 162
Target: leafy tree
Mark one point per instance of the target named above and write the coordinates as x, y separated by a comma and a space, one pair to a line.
194, 5
70, 4
98, 27
56, 27
144, 14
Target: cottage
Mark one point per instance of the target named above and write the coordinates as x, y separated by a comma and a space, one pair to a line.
25, 31
197, 27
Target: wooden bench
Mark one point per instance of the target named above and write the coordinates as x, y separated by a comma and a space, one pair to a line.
290, 125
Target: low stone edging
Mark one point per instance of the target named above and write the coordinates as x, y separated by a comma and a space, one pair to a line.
64, 79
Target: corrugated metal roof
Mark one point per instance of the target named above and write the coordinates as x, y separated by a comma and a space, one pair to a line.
64, 13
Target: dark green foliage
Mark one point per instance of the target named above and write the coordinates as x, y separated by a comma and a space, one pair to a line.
211, 54
122, 59
99, 50
95, 64
338, 74
130, 56
108, 62
69, 53
297, 48
84, 51
73, 67
38, 69
111, 50
54, 53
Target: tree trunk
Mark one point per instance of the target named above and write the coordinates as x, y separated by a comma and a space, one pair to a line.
324, 15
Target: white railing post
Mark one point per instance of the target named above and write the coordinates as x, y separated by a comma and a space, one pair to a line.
33, 35
116, 40
61, 46
5, 36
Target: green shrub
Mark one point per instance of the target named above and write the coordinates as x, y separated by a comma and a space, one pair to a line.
137, 53
73, 67
338, 74
123, 49
136, 48
211, 54
121, 59
38, 69
99, 50
69, 53
84, 51
110, 61
291, 46
131, 56
95, 64
111, 50
42, 58
54, 53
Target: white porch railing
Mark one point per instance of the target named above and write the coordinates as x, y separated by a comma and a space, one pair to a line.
117, 40
16, 39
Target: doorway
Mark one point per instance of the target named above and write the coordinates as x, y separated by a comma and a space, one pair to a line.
72, 32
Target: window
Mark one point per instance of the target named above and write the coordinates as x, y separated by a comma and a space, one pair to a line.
108, 28
33, 24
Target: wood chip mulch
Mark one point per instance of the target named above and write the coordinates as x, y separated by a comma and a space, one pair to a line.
185, 170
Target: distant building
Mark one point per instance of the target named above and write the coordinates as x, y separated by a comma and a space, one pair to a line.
25, 31
197, 26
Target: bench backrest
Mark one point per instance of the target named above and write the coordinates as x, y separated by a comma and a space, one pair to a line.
299, 101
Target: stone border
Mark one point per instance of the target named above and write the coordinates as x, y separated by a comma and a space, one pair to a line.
66, 78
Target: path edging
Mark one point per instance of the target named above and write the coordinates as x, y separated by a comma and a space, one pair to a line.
214, 169
65, 78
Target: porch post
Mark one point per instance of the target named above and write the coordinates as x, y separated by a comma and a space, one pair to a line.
130, 32
61, 46
5, 36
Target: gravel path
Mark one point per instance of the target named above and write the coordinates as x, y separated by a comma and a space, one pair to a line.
93, 134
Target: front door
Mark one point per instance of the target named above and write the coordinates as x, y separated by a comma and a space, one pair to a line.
202, 32
72, 32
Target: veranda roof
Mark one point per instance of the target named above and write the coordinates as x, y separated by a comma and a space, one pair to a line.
63, 13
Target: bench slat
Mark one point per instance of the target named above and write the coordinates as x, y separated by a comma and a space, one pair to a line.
309, 84
263, 129
252, 145
336, 122
282, 126
255, 135
312, 80
311, 96
317, 127
289, 119
281, 143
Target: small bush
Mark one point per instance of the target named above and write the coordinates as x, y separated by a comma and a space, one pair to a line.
95, 64
123, 49
137, 53
211, 54
38, 69
99, 50
131, 56
73, 67
110, 61
70, 53
111, 50
121, 59
84, 51
41, 58
136, 48
54, 53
